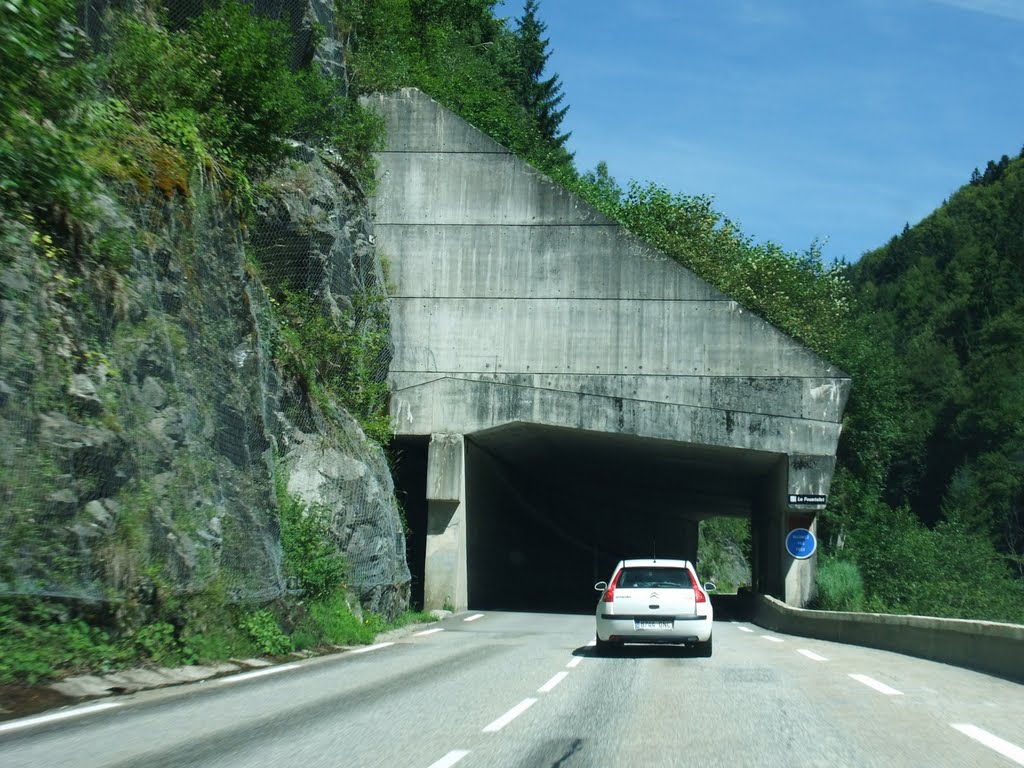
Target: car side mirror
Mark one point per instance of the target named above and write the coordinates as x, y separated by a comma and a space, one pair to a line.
601, 586
710, 586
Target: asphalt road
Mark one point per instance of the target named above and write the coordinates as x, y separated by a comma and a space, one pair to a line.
528, 691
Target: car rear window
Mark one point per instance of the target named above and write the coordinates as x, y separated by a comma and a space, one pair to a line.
655, 578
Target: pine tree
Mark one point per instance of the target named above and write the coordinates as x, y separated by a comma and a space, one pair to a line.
540, 97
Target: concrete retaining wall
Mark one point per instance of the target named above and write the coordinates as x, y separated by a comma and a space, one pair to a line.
984, 646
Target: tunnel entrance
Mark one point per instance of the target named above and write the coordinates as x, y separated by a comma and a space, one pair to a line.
549, 511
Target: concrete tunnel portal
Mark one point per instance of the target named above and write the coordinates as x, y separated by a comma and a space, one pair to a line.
551, 510
564, 395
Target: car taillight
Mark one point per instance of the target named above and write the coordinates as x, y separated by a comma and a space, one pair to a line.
698, 593
609, 594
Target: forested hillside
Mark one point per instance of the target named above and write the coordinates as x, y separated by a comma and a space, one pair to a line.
946, 297
948, 294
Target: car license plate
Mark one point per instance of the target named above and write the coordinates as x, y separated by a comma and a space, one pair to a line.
640, 624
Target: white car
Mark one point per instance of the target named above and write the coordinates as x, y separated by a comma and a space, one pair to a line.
654, 601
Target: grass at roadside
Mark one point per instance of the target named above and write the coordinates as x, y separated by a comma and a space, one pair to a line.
44, 641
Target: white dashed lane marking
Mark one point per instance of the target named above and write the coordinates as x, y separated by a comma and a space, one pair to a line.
64, 715
429, 631
509, 716
811, 655
450, 759
870, 682
744, 629
1004, 748
574, 661
773, 639
474, 617
369, 648
258, 673
552, 682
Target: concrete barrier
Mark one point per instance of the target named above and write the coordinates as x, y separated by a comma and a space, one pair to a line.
984, 646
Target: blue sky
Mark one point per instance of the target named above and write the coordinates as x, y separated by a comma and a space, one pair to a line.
840, 120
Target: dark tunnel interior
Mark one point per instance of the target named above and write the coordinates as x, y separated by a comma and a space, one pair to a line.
552, 510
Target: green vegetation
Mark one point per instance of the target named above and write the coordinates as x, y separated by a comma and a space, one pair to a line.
325, 616
310, 559
942, 421
839, 585
43, 77
41, 640
723, 552
474, 63
264, 630
37, 640
339, 361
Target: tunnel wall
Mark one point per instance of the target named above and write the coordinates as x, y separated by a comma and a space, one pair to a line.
445, 574
514, 301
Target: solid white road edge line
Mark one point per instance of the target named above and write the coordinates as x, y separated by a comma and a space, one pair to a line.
870, 682
574, 661
429, 631
509, 716
559, 677
369, 648
773, 639
27, 722
257, 673
474, 617
450, 759
811, 655
1005, 748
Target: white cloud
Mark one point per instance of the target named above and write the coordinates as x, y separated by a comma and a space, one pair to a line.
1007, 9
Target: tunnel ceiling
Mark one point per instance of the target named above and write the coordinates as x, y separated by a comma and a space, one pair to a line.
703, 480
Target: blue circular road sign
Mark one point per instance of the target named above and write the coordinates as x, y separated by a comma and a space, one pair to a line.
800, 543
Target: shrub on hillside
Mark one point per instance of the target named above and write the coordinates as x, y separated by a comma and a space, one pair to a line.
839, 585
946, 571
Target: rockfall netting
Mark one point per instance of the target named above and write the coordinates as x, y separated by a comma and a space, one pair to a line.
149, 417
144, 425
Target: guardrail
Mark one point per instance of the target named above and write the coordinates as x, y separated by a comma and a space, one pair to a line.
984, 646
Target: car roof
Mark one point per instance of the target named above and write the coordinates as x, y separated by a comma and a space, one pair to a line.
646, 562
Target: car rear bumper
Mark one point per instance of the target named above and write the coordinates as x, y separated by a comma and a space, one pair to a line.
624, 629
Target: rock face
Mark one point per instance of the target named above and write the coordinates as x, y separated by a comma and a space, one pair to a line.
145, 426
